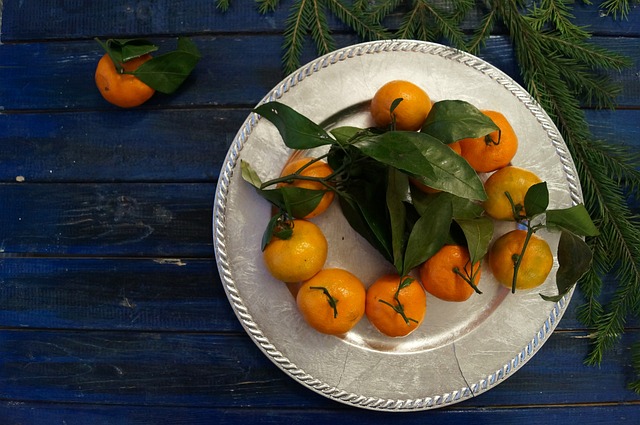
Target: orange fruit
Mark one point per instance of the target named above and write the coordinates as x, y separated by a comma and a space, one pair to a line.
396, 312
298, 258
317, 169
409, 114
455, 146
510, 179
332, 301
124, 90
535, 265
440, 274
494, 151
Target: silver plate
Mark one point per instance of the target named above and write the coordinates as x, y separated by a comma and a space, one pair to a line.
461, 349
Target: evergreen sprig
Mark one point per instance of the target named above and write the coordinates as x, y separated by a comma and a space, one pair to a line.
564, 71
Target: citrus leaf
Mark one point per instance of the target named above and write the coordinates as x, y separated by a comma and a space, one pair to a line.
573, 219
397, 189
429, 233
574, 260
368, 223
296, 201
463, 208
536, 200
478, 233
425, 158
123, 50
362, 198
296, 130
249, 174
168, 71
344, 134
453, 120
270, 230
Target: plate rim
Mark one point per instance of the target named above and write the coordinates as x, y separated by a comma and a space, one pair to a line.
242, 311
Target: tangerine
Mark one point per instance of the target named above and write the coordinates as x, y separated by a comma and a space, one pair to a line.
298, 257
493, 151
534, 266
448, 274
512, 180
317, 169
410, 113
396, 306
332, 301
122, 89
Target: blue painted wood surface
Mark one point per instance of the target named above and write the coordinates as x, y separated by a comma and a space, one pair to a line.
111, 308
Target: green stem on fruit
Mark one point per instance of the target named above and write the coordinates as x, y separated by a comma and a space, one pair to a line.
399, 308
470, 279
333, 302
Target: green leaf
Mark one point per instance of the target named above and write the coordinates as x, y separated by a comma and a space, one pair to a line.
573, 219
536, 200
478, 232
453, 120
168, 71
345, 134
249, 174
397, 190
363, 197
425, 158
429, 233
574, 259
297, 131
368, 223
296, 201
270, 230
123, 50
463, 208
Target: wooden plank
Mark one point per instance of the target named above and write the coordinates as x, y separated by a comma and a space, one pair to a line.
144, 147
226, 370
49, 19
241, 71
143, 294
155, 220
166, 145
81, 414
163, 294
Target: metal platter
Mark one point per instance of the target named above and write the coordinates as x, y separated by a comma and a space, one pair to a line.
461, 349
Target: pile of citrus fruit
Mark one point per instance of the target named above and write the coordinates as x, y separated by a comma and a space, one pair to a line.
333, 300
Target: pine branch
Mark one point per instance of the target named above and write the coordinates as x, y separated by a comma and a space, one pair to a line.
310, 17
297, 26
427, 22
619, 242
617, 8
266, 6
320, 31
379, 10
482, 33
362, 22
222, 5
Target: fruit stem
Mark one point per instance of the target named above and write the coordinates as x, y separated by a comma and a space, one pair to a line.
468, 278
516, 209
333, 302
517, 258
399, 308
325, 181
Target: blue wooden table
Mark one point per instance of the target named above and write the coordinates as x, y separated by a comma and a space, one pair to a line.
111, 307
